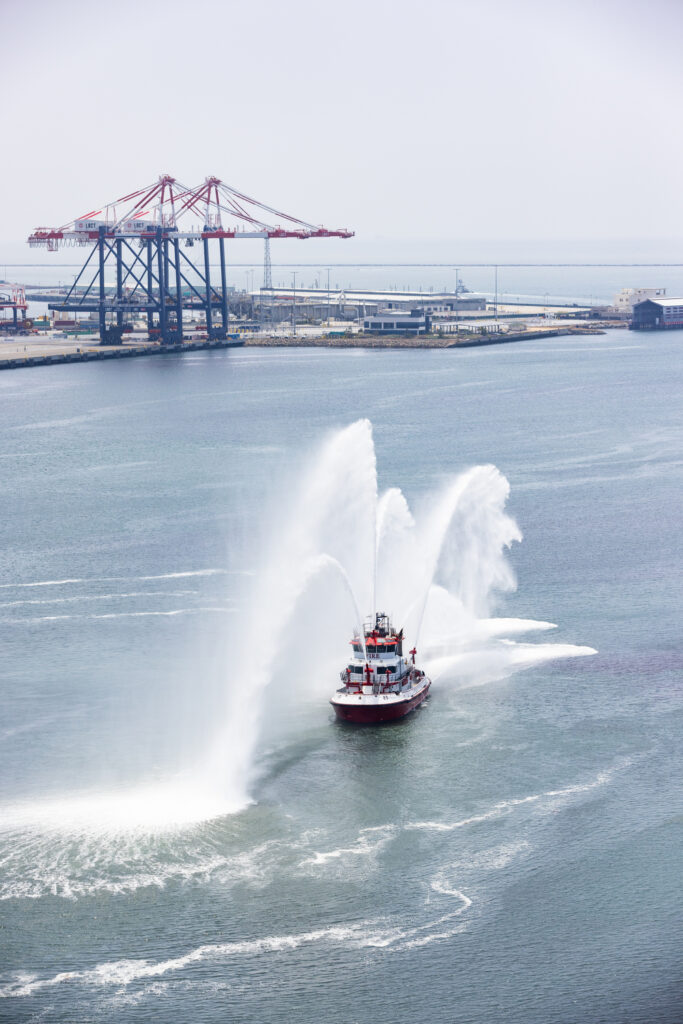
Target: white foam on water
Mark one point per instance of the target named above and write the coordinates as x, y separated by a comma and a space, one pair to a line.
426, 940
369, 843
505, 806
175, 611
82, 598
124, 579
126, 972
43, 583
450, 826
119, 861
373, 934
494, 858
107, 466
224, 609
77, 855
446, 889
434, 930
70, 421
180, 575
21, 455
37, 618
154, 990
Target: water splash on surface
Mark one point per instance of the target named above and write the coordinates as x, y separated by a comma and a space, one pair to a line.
438, 570
336, 550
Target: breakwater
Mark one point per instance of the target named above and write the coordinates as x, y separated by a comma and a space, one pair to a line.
418, 341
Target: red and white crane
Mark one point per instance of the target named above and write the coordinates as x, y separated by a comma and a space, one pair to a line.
223, 212
140, 235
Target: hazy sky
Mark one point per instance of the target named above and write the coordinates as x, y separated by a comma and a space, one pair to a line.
428, 121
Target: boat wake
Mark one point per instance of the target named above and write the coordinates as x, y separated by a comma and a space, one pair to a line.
76, 849
451, 899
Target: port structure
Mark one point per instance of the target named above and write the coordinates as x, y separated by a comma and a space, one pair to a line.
13, 308
141, 236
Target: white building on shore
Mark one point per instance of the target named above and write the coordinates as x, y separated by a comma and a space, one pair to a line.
627, 298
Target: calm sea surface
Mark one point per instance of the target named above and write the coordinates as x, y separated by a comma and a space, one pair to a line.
509, 853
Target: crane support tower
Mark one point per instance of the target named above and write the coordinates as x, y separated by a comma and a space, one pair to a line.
139, 236
13, 308
266, 303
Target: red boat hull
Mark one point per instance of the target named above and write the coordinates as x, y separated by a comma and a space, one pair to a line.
375, 714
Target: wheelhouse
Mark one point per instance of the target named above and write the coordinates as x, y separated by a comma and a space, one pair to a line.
378, 664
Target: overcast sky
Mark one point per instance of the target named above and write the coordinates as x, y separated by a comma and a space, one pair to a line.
421, 122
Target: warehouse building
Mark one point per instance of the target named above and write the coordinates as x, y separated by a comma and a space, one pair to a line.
393, 322
438, 305
657, 314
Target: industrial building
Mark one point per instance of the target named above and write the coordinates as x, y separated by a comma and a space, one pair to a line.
627, 298
394, 322
307, 306
438, 305
310, 305
657, 314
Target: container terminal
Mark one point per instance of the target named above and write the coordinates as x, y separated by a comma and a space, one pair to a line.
293, 317
142, 288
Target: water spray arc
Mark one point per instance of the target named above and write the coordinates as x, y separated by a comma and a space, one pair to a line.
439, 570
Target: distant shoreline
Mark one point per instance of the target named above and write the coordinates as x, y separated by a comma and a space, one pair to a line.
420, 341
86, 350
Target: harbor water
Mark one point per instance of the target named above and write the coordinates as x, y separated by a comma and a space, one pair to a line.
186, 833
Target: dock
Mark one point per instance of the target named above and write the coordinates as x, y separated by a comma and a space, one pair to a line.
42, 352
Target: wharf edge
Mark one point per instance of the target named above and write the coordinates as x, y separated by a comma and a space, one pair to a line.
97, 354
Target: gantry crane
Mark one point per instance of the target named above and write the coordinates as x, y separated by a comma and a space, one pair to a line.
144, 242
13, 300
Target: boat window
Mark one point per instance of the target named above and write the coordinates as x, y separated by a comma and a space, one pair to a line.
356, 669
356, 649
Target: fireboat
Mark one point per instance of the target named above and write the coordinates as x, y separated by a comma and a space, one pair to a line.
379, 684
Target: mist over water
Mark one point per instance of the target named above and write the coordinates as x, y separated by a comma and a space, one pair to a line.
437, 574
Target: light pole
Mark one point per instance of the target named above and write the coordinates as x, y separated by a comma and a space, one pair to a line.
457, 291
495, 299
294, 273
